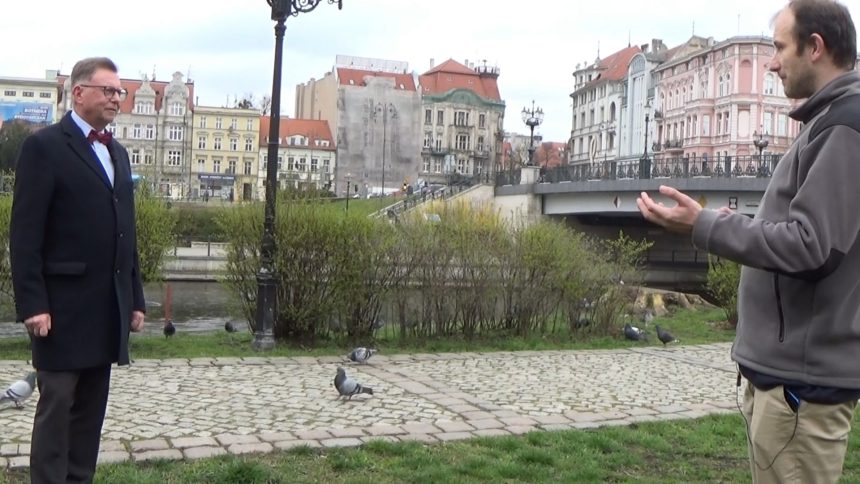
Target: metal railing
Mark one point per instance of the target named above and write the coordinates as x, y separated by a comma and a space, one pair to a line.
753, 166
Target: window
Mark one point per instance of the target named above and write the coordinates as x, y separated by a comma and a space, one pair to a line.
201, 165
135, 156
440, 117
174, 157
726, 126
425, 165
177, 109
249, 144
218, 124
249, 126
217, 143
147, 158
314, 165
767, 123
234, 144
706, 125
234, 124
45, 95
781, 125
202, 124
10, 93
135, 132
480, 145
461, 118
201, 142
428, 116
462, 142
461, 165
437, 165
175, 133
769, 84
291, 163
428, 140
719, 123
326, 165
248, 166
301, 165
150, 131
28, 93
231, 167
216, 166
438, 144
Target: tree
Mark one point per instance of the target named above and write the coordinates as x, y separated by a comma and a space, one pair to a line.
247, 101
265, 105
155, 223
12, 136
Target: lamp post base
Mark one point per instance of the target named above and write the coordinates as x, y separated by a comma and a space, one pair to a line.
267, 292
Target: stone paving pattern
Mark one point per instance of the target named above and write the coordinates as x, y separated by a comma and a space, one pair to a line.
204, 407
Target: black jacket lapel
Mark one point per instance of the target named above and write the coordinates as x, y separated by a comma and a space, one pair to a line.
78, 143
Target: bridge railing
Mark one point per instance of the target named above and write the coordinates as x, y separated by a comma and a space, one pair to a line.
752, 166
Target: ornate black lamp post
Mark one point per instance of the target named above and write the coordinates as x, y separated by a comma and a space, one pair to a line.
760, 143
644, 162
348, 193
532, 117
267, 284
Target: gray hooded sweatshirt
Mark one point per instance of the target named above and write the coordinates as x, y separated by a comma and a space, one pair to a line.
799, 294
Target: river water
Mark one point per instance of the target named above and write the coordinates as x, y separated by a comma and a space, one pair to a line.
197, 307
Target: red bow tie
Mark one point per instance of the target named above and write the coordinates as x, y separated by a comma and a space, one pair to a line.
104, 137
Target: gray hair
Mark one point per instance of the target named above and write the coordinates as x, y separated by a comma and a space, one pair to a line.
85, 68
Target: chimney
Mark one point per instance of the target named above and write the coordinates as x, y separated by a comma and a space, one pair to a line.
644, 48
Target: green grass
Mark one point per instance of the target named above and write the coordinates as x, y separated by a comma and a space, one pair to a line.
711, 449
690, 326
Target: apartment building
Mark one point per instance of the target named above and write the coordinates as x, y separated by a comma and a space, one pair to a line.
307, 155
153, 124
29, 100
462, 122
225, 153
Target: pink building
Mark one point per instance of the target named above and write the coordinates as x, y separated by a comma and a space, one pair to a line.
717, 100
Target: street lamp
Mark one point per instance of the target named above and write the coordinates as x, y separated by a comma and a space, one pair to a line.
267, 284
348, 193
760, 143
644, 162
532, 117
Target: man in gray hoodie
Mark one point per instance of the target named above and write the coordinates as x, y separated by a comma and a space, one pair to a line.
798, 333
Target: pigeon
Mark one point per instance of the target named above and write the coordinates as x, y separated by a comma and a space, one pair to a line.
169, 329
229, 327
347, 387
361, 354
20, 390
633, 333
665, 336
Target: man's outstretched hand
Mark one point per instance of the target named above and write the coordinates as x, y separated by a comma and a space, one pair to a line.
679, 218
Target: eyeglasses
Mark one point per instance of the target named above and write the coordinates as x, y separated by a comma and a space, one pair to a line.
109, 91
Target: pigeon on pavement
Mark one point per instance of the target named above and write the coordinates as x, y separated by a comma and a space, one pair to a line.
20, 390
633, 333
169, 329
347, 387
361, 354
665, 336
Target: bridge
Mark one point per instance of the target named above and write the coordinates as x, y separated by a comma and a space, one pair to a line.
600, 200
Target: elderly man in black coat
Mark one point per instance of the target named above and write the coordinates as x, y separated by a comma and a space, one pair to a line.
75, 270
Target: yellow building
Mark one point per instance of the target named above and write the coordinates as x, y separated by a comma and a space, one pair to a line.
225, 153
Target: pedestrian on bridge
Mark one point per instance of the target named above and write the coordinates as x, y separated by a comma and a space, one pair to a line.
798, 333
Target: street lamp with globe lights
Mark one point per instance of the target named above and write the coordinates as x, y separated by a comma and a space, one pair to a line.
267, 284
532, 117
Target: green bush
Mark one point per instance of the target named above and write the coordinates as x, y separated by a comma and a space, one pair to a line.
155, 225
723, 279
195, 222
340, 275
6, 295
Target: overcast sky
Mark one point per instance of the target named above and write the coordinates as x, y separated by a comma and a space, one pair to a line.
227, 46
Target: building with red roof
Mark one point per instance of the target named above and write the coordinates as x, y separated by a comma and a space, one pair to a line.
307, 153
462, 121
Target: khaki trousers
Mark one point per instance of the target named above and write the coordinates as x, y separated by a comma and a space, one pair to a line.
787, 447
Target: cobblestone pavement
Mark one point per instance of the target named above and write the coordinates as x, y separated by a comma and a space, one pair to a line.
175, 409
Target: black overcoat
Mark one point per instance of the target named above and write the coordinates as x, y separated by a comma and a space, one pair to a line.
73, 248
